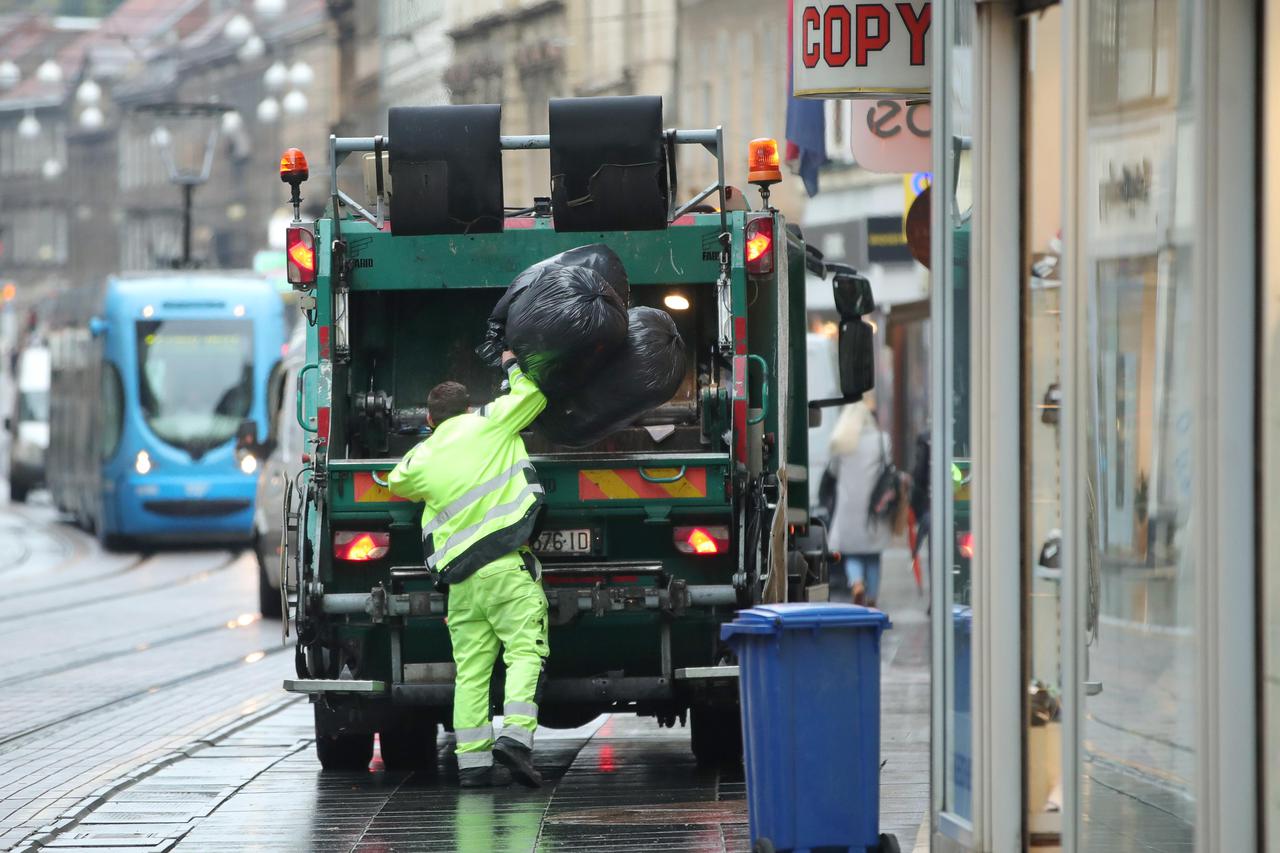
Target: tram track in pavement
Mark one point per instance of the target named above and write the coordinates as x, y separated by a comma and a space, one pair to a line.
149, 690
27, 613
136, 649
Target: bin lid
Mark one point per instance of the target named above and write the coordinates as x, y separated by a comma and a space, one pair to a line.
773, 618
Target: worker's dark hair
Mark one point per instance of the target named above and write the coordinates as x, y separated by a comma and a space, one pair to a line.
446, 400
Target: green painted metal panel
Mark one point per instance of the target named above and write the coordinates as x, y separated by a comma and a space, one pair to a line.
680, 254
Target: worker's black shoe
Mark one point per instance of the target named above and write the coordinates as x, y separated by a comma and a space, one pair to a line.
475, 777
519, 758
494, 776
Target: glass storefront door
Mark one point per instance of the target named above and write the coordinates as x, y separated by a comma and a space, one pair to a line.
1041, 420
951, 541
1136, 625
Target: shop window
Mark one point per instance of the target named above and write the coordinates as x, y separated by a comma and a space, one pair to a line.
1137, 752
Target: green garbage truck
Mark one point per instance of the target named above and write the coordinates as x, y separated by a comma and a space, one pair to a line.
654, 535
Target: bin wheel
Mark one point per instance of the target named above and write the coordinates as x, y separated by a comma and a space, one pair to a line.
889, 843
763, 845
409, 746
715, 735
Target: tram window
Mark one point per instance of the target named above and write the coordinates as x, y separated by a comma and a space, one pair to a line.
275, 400
112, 410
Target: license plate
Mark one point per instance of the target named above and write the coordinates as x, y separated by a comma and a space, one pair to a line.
576, 541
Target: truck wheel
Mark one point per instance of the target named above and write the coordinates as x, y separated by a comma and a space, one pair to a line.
715, 735
18, 491
268, 598
409, 747
350, 751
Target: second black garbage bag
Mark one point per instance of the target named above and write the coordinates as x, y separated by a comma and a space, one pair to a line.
596, 257
563, 326
645, 373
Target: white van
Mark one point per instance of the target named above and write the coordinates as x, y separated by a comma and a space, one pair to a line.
28, 424
286, 442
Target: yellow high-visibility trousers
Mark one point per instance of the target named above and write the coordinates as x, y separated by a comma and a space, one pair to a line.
500, 605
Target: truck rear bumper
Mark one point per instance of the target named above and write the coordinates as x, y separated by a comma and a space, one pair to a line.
570, 691
565, 602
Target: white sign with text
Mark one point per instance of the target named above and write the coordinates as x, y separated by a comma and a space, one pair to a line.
861, 50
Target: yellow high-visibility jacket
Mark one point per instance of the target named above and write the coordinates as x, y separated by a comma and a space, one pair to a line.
480, 492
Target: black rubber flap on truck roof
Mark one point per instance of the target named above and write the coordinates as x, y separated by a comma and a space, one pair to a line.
608, 164
447, 166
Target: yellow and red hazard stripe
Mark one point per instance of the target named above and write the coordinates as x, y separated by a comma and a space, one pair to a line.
627, 484
367, 491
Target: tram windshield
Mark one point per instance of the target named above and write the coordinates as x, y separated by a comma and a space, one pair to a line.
195, 379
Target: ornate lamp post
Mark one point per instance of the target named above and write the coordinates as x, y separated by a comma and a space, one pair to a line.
186, 135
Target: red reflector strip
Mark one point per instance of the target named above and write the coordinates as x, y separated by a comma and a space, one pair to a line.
322, 423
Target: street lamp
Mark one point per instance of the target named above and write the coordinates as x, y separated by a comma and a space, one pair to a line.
294, 103
91, 118
276, 76
89, 92
268, 110
49, 72
29, 126
187, 135
10, 74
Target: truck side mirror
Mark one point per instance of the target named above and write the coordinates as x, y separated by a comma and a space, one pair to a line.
97, 327
856, 353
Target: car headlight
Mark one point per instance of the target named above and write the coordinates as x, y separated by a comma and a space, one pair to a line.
142, 464
248, 463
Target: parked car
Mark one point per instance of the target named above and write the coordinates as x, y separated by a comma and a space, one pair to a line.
282, 465
28, 425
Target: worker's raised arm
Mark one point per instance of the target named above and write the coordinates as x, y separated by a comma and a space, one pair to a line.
517, 409
406, 479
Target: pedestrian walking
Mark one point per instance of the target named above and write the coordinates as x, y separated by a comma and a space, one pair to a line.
481, 500
868, 498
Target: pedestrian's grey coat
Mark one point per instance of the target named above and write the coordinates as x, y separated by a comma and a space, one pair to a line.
856, 475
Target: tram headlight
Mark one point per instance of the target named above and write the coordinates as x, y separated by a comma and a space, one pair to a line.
248, 463
142, 463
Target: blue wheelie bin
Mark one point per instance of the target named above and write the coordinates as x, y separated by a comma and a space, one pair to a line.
810, 684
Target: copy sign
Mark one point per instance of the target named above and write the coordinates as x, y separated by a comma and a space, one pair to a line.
861, 50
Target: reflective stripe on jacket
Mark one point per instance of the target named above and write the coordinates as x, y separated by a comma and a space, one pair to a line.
479, 490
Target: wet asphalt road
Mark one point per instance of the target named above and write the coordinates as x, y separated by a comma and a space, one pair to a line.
141, 709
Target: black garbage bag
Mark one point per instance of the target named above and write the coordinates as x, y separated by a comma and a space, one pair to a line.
563, 326
597, 257
643, 375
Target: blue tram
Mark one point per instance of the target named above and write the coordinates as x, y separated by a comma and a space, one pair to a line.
148, 399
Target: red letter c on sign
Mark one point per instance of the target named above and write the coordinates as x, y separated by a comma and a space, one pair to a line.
868, 12
836, 48
810, 36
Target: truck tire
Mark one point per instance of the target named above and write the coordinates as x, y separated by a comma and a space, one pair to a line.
18, 491
715, 735
268, 597
344, 752
409, 746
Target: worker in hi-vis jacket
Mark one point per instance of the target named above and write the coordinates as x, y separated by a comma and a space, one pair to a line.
481, 499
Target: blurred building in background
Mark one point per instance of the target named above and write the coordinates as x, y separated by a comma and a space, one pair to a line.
731, 70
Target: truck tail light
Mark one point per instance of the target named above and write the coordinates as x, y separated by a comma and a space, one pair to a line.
360, 546
760, 246
703, 541
964, 541
300, 249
